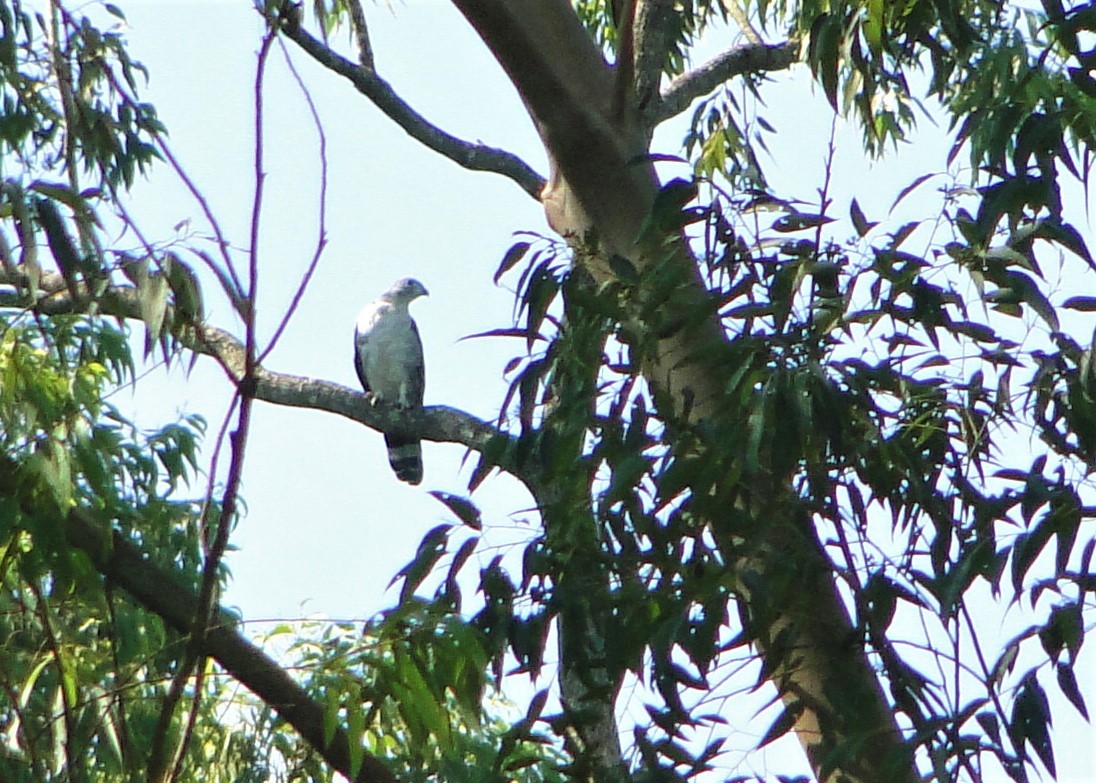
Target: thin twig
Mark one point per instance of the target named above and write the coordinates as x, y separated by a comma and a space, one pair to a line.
257, 199
824, 191
321, 239
194, 659
207, 212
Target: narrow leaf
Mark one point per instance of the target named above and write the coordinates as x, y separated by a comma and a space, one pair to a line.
859, 222
516, 252
1067, 681
465, 510
911, 187
430, 551
782, 725
1086, 304
799, 221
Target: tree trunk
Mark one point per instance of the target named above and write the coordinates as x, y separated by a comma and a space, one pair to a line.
602, 188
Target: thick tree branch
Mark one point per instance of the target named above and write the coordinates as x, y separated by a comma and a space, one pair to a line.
652, 42
567, 87
477, 157
748, 58
437, 423
124, 565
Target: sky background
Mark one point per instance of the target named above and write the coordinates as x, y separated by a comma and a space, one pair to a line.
327, 523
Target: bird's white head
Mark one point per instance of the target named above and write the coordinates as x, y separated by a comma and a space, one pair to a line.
406, 291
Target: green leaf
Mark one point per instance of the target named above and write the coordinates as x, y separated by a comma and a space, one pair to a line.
516, 252
912, 187
1086, 304
332, 702
1030, 721
1067, 236
623, 268
668, 211
1025, 290
799, 221
1067, 682
465, 510
430, 551
423, 707
874, 25
59, 191
1064, 630
782, 725
859, 222
459, 559
186, 291
824, 53
355, 731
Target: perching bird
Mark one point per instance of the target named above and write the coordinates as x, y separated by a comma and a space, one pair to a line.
388, 358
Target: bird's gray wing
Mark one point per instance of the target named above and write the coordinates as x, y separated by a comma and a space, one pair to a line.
416, 368
360, 347
404, 453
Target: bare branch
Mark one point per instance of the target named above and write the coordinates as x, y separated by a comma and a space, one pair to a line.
476, 157
748, 58
321, 239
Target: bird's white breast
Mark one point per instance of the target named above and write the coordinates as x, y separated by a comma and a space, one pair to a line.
389, 352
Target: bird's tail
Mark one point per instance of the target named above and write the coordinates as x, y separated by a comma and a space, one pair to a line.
405, 457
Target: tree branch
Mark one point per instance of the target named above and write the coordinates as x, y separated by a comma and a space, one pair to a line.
748, 58
438, 423
476, 157
123, 564
738, 13
361, 35
651, 44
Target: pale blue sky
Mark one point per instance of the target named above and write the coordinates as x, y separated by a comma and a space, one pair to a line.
327, 523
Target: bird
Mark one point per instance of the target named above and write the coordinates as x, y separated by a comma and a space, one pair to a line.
389, 361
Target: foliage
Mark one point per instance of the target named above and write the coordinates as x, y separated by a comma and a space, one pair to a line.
91, 677
84, 668
411, 686
900, 449
913, 395
62, 77
878, 381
